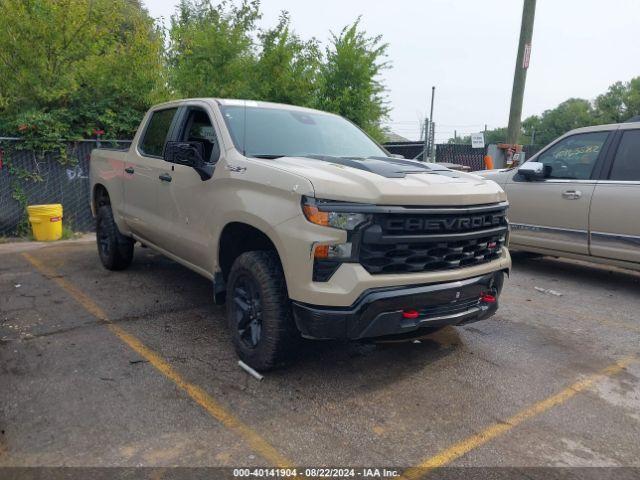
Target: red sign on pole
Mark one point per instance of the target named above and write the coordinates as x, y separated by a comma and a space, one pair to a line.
526, 56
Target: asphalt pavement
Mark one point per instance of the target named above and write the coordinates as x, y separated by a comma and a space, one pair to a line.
136, 368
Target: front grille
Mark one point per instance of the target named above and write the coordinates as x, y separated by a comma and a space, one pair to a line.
405, 241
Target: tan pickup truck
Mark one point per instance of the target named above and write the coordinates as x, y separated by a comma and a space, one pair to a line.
579, 197
305, 225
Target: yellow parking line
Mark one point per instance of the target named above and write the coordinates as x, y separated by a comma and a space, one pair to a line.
197, 394
463, 447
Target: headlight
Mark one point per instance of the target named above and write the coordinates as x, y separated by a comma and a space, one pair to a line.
341, 220
327, 257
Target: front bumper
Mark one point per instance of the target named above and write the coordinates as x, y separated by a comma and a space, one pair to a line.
379, 312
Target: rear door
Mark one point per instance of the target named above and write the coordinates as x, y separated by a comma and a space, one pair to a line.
144, 165
615, 209
554, 213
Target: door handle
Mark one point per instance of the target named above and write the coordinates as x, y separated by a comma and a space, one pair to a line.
129, 170
165, 177
572, 194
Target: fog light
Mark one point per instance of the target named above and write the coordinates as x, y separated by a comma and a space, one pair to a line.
338, 251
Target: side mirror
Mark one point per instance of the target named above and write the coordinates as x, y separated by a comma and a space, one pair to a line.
190, 154
532, 171
397, 155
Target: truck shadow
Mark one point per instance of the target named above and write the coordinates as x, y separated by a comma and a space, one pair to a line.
333, 364
369, 365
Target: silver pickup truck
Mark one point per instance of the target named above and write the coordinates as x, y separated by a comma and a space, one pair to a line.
579, 197
305, 225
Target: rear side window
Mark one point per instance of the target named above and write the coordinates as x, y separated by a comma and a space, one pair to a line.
155, 135
626, 164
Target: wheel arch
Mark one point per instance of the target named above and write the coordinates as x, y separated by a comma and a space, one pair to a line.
99, 196
238, 237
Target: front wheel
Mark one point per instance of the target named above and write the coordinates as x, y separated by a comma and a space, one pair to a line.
259, 311
115, 250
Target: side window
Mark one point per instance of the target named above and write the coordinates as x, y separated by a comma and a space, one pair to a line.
155, 135
626, 164
574, 157
198, 128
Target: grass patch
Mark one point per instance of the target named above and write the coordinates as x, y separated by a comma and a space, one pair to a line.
68, 234
25, 235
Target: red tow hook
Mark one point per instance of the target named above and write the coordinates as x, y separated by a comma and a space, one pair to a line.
487, 298
410, 313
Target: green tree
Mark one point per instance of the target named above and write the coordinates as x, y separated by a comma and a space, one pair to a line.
619, 103
287, 67
211, 50
570, 114
610, 107
496, 135
350, 82
69, 66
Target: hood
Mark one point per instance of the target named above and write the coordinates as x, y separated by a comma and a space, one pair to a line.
390, 181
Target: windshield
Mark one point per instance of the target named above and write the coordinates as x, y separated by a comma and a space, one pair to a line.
258, 131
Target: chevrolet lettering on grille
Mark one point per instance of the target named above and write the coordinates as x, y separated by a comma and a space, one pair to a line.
450, 224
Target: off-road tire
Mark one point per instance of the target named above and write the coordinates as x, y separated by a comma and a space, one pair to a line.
115, 250
279, 337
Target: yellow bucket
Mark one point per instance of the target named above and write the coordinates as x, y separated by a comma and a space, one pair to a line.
46, 222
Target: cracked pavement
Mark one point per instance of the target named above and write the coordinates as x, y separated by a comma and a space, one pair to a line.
73, 394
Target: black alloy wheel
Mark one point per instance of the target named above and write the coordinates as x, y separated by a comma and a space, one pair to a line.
247, 309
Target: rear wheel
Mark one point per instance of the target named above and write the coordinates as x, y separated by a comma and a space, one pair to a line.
259, 311
115, 250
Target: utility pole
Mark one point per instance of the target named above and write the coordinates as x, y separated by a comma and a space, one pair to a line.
520, 75
431, 133
425, 147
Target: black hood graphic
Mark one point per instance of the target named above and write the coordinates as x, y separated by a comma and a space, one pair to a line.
386, 166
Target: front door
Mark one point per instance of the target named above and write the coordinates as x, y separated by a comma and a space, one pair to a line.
186, 199
615, 221
554, 213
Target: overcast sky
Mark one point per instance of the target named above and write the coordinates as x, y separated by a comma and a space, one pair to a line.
467, 49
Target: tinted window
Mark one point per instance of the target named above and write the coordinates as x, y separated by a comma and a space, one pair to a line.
198, 128
574, 157
155, 135
274, 131
626, 165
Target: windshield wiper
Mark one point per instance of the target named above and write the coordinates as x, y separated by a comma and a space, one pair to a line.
267, 156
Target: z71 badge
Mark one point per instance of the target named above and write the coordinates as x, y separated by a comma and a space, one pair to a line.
237, 169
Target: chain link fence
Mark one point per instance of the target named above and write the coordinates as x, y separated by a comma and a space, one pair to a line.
27, 178
531, 150
461, 155
445, 153
411, 150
